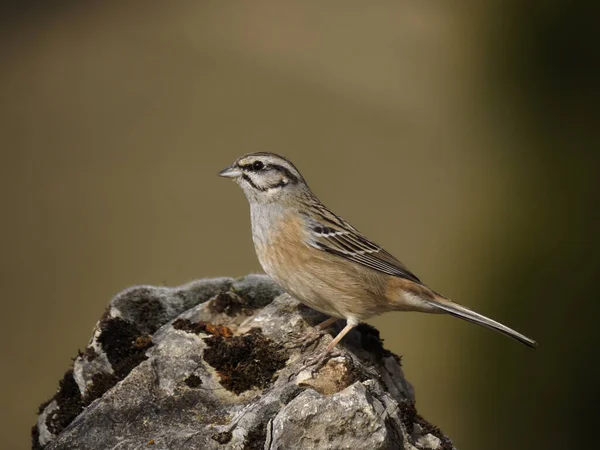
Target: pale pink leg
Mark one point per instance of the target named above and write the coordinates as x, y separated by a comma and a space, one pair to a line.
341, 334
322, 358
326, 323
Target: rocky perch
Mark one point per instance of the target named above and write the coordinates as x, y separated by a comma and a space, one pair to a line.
213, 365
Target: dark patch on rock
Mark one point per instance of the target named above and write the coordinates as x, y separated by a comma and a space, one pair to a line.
149, 312
105, 315
202, 327
446, 444
143, 342
188, 326
371, 341
408, 413
141, 306
231, 304
193, 381
69, 401
291, 392
89, 354
410, 417
256, 437
222, 438
101, 382
121, 342
246, 361
35, 438
43, 405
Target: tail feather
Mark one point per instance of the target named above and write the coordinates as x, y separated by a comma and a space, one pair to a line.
456, 310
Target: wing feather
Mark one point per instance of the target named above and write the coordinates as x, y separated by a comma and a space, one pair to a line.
336, 236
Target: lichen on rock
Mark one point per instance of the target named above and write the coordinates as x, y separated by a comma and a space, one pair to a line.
210, 365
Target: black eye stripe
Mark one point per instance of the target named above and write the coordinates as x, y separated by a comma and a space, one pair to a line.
249, 180
252, 167
288, 173
263, 189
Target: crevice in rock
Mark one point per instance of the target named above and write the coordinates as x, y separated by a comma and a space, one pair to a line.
256, 437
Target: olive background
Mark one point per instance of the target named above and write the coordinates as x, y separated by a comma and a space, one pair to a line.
461, 136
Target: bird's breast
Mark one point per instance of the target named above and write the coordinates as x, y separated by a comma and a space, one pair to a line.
323, 281
279, 239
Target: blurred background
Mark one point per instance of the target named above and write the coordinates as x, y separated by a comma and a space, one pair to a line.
462, 136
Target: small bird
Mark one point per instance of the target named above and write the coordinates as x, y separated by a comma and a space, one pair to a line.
323, 261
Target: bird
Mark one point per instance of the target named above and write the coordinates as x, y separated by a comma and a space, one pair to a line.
324, 262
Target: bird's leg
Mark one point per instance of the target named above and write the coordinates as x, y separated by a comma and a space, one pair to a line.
326, 323
320, 359
341, 334
313, 335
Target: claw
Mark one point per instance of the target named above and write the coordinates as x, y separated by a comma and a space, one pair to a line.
306, 340
319, 360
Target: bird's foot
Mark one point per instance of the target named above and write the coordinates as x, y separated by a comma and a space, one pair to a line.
316, 361
305, 340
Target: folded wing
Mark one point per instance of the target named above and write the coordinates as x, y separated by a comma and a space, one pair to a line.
336, 236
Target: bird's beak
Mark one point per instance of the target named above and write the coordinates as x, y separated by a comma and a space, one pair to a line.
230, 172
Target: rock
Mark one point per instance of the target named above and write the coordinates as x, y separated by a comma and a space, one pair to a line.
215, 364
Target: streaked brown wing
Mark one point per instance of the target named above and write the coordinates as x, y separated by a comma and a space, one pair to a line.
340, 238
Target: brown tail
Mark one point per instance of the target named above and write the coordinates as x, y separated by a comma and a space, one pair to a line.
456, 310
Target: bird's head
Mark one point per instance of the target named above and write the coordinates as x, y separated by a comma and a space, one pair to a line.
265, 177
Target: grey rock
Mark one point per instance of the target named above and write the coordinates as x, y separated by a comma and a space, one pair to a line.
215, 364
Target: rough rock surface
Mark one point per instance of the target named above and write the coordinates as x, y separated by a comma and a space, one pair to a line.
215, 364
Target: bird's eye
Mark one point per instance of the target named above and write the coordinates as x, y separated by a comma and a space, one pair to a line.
257, 165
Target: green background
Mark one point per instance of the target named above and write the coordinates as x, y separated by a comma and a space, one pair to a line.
462, 136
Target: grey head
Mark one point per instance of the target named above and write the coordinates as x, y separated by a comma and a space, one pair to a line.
266, 177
